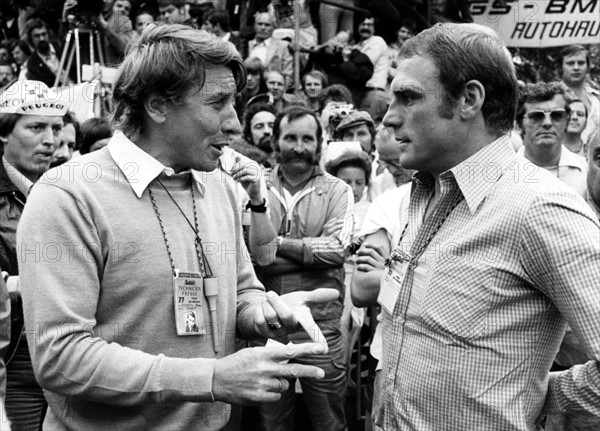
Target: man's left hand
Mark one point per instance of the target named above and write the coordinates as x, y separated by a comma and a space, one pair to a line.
248, 173
280, 315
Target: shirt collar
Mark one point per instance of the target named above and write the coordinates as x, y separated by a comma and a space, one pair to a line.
20, 181
125, 153
592, 204
570, 159
478, 174
264, 42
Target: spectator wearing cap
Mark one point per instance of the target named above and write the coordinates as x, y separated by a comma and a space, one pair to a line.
357, 126
30, 130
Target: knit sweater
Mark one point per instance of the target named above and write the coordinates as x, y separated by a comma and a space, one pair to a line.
97, 288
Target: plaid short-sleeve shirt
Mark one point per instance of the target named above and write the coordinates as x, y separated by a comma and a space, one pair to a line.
516, 259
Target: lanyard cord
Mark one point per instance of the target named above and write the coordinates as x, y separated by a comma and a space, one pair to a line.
205, 268
423, 241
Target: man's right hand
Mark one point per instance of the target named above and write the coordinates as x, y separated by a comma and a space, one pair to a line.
257, 374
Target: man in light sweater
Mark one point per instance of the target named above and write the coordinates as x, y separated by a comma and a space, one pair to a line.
121, 244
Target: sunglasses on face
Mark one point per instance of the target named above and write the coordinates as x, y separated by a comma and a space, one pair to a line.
556, 116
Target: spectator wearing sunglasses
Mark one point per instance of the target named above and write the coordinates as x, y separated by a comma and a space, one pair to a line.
543, 115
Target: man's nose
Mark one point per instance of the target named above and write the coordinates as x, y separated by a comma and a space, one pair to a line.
49, 138
299, 147
231, 125
547, 122
391, 118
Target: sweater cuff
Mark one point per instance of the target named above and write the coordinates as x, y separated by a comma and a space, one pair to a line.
192, 378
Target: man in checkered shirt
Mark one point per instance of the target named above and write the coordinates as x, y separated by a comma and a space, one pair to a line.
496, 258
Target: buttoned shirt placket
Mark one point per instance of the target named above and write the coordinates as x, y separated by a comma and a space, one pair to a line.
423, 230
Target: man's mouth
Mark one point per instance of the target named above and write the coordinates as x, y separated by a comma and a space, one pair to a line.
219, 146
44, 155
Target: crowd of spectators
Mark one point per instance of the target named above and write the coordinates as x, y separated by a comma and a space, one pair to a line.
338, 71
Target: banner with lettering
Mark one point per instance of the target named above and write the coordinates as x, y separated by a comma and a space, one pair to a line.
540, 23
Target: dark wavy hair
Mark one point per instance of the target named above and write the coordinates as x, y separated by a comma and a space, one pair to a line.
252, 110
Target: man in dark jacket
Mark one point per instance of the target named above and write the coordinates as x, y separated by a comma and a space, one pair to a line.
30, 130
343, 64
44, 63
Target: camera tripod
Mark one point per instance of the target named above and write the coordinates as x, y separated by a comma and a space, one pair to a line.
73, 49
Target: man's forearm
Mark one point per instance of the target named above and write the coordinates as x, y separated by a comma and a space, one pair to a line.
314, 252
282, 265
364, 287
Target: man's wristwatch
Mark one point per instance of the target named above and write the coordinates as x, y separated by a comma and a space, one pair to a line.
260, 208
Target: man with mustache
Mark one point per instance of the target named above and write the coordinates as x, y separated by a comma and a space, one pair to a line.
375, 100
258, 130
542, 116
312, 222
30, 130
43, 64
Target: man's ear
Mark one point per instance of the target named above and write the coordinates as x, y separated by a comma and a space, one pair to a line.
472, 100
156, 107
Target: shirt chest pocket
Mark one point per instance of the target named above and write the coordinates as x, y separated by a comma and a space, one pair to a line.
458, 298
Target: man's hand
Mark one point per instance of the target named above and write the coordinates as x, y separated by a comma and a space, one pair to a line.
68, 9
248, 174
280, 315
369, 257
260, 374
